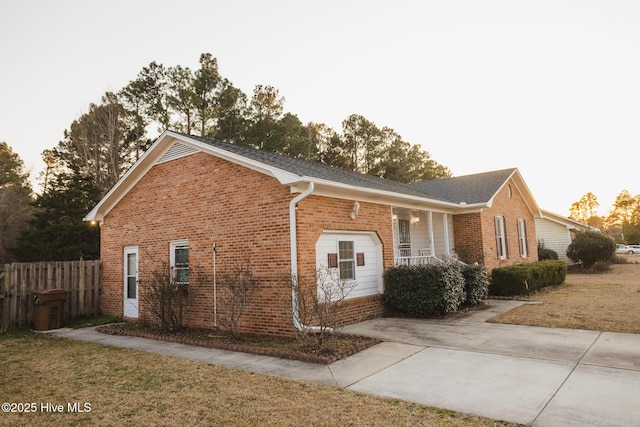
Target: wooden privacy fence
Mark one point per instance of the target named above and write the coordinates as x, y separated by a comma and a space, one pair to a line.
81, 280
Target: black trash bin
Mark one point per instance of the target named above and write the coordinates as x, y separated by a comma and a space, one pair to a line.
49, 309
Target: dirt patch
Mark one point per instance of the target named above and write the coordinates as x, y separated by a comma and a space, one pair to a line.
608, 301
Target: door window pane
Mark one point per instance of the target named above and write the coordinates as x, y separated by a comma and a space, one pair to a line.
403, 231
131, 264
132, 268
131, 287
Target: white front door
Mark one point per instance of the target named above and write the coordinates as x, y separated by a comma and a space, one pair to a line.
131, 282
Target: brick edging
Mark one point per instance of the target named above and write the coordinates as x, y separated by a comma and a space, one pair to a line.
311, 358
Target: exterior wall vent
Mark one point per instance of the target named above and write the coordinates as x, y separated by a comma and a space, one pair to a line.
178, 150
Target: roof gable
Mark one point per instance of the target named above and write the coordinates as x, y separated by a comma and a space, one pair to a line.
570, 223
469, 189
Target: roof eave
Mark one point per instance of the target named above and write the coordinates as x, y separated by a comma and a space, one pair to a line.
165, 141
325, 187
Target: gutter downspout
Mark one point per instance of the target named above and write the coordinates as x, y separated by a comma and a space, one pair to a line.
294, 254
215, 300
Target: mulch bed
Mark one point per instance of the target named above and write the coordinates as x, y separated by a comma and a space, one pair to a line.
281, 347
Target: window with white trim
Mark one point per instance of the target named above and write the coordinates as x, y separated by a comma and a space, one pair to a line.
179, 257
346, 260
522, 238
501, 240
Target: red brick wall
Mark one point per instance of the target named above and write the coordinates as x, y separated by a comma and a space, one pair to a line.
468, 238
203, 199
207, 200
475, 236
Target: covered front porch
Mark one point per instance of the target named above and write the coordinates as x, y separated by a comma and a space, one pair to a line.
422, 237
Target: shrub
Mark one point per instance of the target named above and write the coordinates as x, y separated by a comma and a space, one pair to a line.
425, 290
546, 253
320, 303
238, 287
589, 247
166, 298
522, 279
476, 283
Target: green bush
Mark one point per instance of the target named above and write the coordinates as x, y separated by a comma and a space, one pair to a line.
589, 247
476, 284
546, 253
522, 279
424, 290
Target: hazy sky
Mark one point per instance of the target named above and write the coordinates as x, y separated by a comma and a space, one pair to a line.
550, 87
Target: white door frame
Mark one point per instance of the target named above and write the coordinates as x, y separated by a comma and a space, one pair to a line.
130, 304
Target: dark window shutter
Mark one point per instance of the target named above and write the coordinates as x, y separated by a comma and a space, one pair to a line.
507, 243
360, 259
496, 222
526, 239
332, 260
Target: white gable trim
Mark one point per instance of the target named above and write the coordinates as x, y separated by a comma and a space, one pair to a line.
171, 145
282, 176
524, 191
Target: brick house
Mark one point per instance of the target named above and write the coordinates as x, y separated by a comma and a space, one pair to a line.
191, 202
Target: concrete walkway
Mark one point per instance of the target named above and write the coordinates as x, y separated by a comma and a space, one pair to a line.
538, 376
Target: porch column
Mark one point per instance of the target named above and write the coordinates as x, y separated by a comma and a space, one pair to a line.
446, 234
432, 245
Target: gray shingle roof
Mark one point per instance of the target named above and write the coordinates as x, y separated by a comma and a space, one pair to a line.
304, 168
471, 189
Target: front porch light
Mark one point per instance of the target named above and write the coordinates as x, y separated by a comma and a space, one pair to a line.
356, 210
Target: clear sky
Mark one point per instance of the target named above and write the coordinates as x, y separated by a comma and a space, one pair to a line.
551, 87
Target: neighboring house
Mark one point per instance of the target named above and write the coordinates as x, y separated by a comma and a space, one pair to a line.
188, 195
556, 232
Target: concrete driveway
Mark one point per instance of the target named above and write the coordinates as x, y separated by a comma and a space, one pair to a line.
528, 375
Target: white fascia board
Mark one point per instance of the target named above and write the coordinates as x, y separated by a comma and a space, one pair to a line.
571, 224
156, 151
128, 180
524, 191
344, 191
559, 222
282, 176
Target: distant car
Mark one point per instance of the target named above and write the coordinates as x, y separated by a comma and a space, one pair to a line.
634, 248
624, 249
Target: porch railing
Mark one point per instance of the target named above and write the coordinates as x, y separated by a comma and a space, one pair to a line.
417, 260
425, 260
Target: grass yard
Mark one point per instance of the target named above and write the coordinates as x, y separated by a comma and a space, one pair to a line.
127, 387
608, 302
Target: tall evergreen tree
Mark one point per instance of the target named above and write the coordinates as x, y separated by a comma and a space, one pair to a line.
56, 232
15, 200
